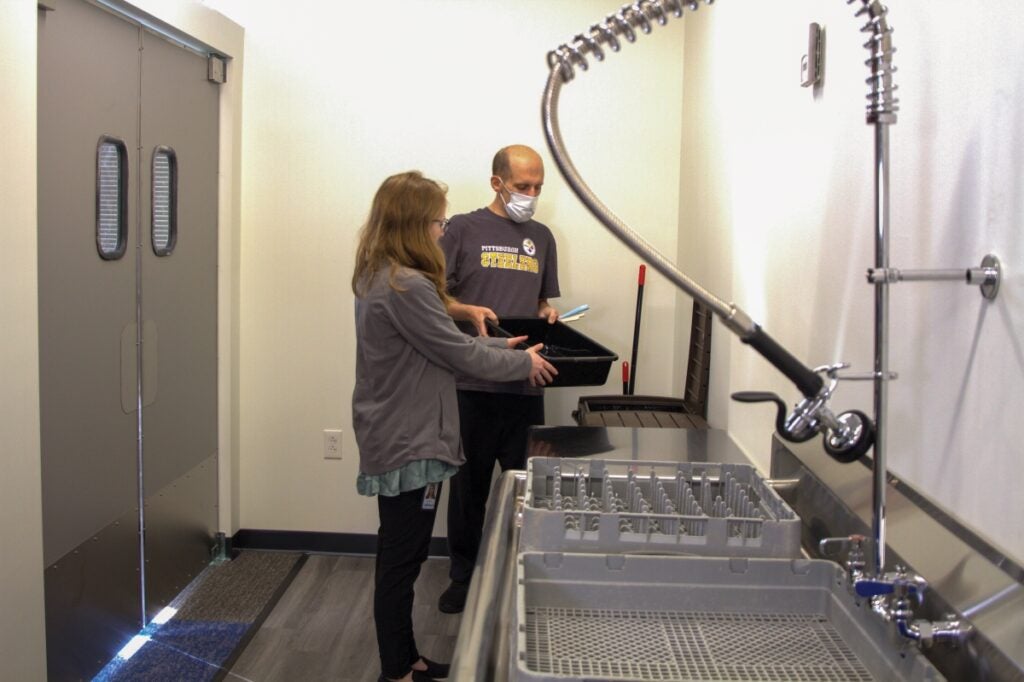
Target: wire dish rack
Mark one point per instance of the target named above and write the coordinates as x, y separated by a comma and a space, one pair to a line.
626, 506
615, 617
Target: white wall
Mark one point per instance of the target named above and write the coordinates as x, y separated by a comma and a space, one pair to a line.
22, 648
777, 185
339, 96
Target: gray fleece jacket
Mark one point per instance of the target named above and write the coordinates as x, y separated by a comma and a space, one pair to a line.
408, 351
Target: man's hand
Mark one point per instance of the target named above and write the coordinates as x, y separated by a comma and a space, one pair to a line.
546, 311
477, 314
542, 372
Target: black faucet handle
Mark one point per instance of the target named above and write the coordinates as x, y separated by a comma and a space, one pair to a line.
780, 415
759, 397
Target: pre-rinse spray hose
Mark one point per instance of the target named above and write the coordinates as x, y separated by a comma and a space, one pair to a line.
640, 15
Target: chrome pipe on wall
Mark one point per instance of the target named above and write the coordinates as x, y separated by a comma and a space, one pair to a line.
881, 112
881, 380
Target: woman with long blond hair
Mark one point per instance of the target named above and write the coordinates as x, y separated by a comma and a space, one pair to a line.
404, 408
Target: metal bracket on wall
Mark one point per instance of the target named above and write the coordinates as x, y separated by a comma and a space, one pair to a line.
216, 69
810, 65
986, 277
219, 552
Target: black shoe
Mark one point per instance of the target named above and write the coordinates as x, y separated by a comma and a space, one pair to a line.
437, 670
453, 600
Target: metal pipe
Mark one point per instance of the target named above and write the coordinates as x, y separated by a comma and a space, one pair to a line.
881, 384
898, 275
986, 276
140, 458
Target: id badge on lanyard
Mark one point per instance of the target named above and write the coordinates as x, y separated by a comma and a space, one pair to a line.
430, 495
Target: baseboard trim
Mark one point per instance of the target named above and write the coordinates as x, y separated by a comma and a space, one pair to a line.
313, 542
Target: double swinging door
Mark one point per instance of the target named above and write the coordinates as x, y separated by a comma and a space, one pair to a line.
127, 150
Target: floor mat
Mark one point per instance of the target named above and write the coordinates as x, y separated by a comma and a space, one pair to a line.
215, 616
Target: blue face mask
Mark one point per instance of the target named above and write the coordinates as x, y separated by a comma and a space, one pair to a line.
519, 207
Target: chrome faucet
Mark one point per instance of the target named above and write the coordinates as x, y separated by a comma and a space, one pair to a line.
893, 596
855, 561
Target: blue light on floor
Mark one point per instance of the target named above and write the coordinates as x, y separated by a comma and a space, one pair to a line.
133, 645
176, 650
165, 615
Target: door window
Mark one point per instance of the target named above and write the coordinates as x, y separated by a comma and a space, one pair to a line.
111, 197
165, 201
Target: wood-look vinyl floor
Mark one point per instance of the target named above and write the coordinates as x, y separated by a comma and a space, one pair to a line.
322, 627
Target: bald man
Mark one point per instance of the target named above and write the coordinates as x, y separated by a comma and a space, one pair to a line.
500, 263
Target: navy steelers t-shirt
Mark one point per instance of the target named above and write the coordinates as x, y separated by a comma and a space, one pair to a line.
506, 266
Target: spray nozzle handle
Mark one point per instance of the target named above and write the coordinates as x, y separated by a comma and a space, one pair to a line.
780, 416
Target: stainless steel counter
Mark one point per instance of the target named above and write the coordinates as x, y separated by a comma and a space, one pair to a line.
666, 445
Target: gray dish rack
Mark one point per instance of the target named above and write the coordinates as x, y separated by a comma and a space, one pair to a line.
646, 570
627, 506
617, 617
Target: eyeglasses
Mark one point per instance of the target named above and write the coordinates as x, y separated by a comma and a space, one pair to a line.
443, 223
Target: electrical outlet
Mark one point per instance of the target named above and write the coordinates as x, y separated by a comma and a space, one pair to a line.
332, 443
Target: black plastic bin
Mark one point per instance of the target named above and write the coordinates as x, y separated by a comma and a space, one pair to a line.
579, 360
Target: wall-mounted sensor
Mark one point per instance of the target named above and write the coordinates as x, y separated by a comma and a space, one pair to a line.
810, 65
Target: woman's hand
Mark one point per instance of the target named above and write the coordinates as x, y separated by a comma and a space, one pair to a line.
516, 340
542, 372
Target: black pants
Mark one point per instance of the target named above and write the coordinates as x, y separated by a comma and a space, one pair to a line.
494, 429
403, 544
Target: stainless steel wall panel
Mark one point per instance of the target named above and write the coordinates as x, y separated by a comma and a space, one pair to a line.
179, 533
92, 601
